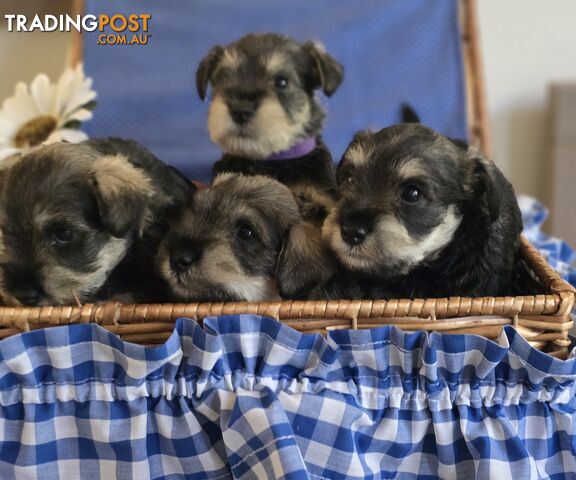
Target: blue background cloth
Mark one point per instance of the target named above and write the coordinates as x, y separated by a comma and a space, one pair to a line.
394, 51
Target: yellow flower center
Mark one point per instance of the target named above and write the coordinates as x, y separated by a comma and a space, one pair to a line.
35, 131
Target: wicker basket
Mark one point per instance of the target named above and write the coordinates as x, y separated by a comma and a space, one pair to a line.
544, 320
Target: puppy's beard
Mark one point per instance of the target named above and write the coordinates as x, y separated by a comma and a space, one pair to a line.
269, 131
64, 286
390, 250
218, 276
253, 288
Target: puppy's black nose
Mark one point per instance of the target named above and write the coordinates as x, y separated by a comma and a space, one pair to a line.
241, 115
354, 235
28, 296
356, 226
182, 260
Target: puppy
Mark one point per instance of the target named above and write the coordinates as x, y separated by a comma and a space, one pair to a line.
79, 222
265, 115
425, 216
421, 215
323, 277
225, 246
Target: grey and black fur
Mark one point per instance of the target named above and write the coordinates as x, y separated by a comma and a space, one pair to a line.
81, 222
421, 215
225, 245
263, 103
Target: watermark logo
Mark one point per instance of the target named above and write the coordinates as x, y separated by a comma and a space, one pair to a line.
118, 29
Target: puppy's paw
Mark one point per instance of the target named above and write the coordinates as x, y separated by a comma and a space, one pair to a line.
314, 205
310, 210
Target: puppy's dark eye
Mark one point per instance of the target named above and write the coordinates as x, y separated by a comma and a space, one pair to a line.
411, 194
62, 236
345, 178
280, 82
247, 233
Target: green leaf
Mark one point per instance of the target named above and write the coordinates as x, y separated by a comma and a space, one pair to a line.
90, 105
74, 124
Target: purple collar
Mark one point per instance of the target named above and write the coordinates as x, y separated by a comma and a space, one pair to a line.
299, 150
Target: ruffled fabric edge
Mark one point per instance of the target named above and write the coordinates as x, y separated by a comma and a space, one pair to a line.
380, 368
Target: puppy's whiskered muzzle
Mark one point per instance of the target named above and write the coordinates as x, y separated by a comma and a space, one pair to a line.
182, 260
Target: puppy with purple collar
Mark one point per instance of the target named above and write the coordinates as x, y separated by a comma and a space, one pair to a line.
265, 116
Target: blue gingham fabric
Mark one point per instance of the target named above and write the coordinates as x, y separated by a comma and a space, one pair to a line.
246, 397
560, 255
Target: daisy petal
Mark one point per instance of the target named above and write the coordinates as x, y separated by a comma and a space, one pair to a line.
42, 94
67, 135
73, 91
81, 115
63, 92
15, 110
7, 128
24, 100
7, 152
78, 100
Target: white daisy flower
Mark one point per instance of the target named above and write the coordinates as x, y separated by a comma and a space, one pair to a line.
45, 113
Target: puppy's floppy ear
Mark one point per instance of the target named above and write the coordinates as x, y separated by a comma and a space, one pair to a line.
268, 195
183, 189
460, 143
123, 195
206, 69
327, 73
359, 136
356, 145
279, 201
485, 183
304, 263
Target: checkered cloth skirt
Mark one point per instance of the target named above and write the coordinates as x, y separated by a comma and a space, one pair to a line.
556, 251
246, 397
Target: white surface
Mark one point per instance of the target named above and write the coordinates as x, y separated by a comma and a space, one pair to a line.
527, 44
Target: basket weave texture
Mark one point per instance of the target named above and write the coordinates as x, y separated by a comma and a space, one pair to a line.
544, 320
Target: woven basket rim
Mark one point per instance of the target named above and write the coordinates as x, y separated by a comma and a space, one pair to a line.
558, 302
543, 320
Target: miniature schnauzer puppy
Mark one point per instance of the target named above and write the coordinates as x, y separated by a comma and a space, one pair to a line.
81, 222
225, 246
265, 116
421, 215
425, 215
